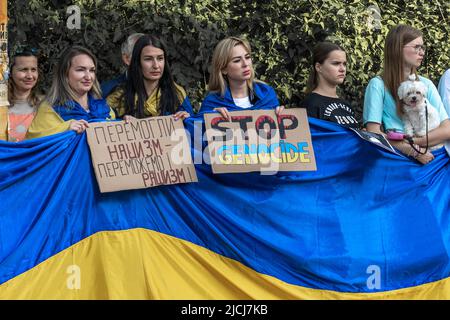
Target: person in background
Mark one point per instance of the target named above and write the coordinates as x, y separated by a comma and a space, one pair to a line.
444, 90
232, 84
126, 50
74, 98
22, 95
329, 67
150, 90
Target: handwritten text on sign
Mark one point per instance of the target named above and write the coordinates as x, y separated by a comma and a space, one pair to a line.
140, 154
260, 141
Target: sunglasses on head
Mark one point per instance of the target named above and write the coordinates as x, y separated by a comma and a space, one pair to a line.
25, 51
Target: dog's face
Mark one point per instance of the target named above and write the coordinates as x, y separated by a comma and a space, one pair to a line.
412, 93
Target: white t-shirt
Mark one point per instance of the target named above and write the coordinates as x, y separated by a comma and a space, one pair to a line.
243, 103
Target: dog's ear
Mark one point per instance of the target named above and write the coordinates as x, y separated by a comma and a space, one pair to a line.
401, 92
422, 88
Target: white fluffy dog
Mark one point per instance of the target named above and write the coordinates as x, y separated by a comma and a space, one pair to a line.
412, 93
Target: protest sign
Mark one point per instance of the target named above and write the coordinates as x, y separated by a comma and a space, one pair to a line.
140, 154
260, 141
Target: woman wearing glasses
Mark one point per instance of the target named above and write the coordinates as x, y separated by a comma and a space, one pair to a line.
404, 51
22, 96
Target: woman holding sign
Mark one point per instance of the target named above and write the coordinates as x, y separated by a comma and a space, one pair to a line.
232, 82
22, 96
150, 89
329, 67
74, 98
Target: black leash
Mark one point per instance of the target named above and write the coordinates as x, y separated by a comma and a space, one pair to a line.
410, 139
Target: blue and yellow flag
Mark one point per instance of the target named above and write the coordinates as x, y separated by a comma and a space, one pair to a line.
367, 224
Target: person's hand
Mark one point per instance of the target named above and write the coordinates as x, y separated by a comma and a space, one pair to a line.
79, 126
424, 158
224, 112
127, 118
181, 115
279, 110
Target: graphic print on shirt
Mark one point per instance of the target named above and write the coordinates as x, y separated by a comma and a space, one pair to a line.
341, 113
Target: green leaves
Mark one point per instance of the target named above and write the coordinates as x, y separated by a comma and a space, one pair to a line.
281, 34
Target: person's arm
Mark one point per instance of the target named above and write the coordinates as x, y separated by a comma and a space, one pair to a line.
436, 136
444, 90
403, 146
441, 133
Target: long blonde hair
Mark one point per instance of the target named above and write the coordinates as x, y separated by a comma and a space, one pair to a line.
393, 69
221, 57
60, 92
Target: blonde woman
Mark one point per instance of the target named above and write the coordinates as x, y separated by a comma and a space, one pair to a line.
232, 84
74, 98
404, 51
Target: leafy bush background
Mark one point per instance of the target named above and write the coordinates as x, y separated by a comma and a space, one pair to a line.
281, 32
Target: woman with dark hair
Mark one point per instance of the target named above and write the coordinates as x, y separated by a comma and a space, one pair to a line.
404, 51
74, 98
329, 67
150, 90
22, 96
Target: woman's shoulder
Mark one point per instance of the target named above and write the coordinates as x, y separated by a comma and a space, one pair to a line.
376, 81
180, 88
98, 101
261, 85
309, 97
115, 97
427, 81
446, 74
116, 93
45, 106
180, 91
314, 99
213, 95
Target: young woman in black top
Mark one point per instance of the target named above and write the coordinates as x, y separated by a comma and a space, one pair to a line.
328, 71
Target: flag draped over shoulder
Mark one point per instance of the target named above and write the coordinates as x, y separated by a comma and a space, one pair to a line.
263, 97
366, 224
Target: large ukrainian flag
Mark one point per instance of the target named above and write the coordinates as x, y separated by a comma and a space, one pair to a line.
367, 224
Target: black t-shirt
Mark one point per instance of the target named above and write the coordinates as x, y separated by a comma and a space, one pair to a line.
331, 109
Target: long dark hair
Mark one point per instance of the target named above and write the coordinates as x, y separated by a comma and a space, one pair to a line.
134, 87
320, 53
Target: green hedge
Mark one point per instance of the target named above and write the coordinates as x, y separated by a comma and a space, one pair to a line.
281, 32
